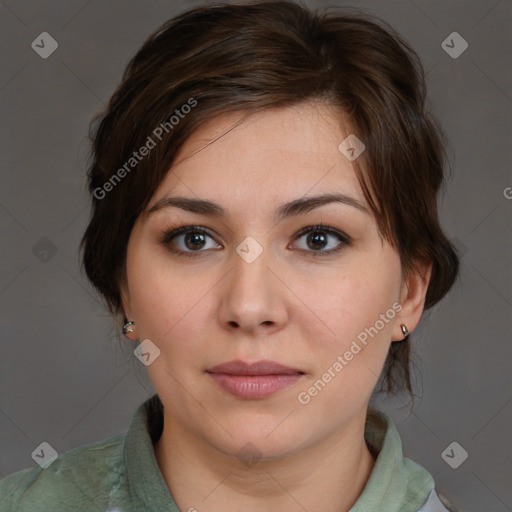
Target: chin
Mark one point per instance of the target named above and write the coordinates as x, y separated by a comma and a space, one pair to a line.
261, 439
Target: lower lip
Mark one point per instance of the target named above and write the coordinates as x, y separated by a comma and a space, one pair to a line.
254, 386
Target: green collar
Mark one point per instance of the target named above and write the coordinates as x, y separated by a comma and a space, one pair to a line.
397, 484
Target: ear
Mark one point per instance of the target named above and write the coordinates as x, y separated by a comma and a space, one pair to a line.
126, 305
412, 298
125, 298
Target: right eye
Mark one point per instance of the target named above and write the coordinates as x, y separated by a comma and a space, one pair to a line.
190, 239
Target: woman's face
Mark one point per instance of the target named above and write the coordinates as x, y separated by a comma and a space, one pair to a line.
258, 286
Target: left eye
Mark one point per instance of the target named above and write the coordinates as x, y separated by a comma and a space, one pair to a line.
317, 238
194, 238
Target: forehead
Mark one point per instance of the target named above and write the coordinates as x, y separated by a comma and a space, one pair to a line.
278, 153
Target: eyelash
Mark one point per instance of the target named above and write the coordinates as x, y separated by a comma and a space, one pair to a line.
171, 234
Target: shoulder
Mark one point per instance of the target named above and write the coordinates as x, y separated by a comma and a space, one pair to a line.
76, 480
397, 478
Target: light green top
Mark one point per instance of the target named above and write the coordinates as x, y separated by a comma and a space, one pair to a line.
121, 474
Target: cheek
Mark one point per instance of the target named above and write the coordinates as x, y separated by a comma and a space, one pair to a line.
348, 351
353, 318
163, 300
169, 305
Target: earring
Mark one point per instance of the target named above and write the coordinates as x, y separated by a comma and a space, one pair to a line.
405, 332
126, 328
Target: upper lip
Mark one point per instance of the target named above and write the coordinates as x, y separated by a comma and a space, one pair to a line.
264, 367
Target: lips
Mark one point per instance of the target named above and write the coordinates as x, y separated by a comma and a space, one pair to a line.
254, 381
264, 367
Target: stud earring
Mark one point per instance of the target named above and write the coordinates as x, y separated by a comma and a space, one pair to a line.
126, 328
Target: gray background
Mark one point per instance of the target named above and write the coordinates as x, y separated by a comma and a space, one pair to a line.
67, 380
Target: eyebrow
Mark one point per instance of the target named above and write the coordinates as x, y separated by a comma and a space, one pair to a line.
284, 211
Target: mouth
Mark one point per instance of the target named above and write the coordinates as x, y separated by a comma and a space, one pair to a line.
254, 381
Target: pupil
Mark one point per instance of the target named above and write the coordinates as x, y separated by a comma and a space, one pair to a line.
193, 237
315, 237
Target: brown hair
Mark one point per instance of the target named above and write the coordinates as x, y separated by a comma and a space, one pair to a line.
227, 58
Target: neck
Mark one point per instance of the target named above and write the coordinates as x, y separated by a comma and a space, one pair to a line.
329, 475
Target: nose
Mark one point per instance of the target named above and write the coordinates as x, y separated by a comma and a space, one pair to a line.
254, 295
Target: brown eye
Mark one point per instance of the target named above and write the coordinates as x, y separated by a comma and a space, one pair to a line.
187, 240
194, 240
317, 238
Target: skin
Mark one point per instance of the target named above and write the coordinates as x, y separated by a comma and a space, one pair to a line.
287, 305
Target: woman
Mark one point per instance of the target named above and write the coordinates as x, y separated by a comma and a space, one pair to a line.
265, 224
